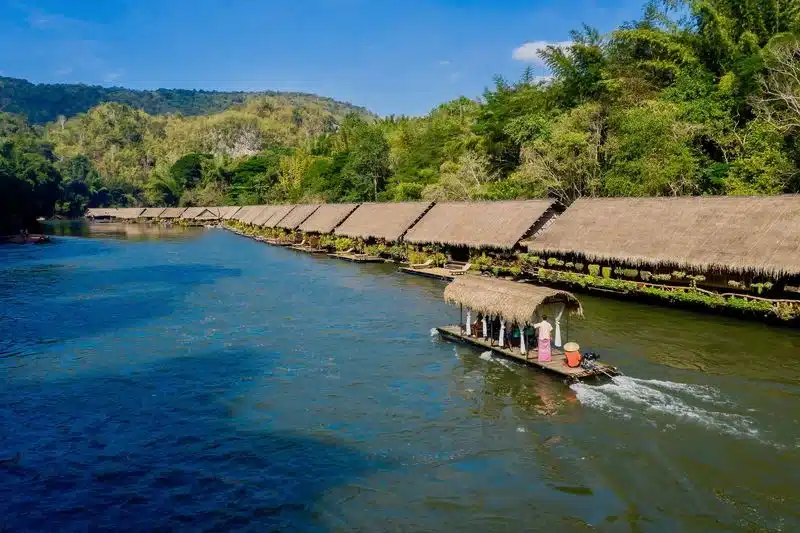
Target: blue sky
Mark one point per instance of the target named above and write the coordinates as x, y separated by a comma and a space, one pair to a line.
394, 57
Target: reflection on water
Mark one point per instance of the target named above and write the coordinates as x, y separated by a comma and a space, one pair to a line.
203, 381
118, 230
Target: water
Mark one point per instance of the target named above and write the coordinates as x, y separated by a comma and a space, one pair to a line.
199, 381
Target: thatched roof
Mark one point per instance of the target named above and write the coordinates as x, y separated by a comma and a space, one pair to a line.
101, 212
722, 233
201, 213
278, 213
480, 224
326, 218
173, 212
512, 301
252, 212
228, 212
263, 215
129, 213
382, 221
152, 212
297, 216
242, 213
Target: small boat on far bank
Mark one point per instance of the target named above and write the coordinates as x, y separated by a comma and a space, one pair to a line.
505, 312
25, 239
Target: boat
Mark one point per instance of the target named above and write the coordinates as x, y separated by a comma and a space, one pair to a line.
500, 315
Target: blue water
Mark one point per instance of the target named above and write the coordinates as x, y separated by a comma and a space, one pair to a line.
206, 382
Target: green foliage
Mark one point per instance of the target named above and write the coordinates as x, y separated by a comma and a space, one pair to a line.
578, 267
607, 272
645, 275
594, 270
630, 273
662, 277
481, 262
343, 243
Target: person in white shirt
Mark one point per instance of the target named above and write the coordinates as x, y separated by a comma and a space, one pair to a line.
545, 332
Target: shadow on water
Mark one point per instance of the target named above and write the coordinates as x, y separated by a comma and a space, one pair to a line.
119, 230
77, 302
159, 449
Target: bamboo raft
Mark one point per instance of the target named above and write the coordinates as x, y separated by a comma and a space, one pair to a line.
358, 258
444, 274
557, 366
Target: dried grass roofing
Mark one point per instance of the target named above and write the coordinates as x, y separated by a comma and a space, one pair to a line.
129, 213
326, 218
263, 215
228, 212
152, 212
760, 235
201, 213
247, 214
278, 213
478, 224
95, 212
172, 212
297, 215
512, 301
387, 221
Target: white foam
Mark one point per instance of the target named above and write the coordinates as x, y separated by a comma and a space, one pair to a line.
487, 356
626, 397
434, 332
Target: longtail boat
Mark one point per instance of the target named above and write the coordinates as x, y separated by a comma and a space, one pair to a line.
500, 316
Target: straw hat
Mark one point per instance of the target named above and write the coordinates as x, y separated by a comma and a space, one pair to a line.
572, 347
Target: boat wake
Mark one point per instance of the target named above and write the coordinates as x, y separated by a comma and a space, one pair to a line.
492, 358
628, 397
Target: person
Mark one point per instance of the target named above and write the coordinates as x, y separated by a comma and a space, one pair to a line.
545, 331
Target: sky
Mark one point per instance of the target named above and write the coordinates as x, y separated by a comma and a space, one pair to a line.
401, 57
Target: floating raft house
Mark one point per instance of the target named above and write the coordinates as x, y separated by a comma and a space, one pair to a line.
387, 221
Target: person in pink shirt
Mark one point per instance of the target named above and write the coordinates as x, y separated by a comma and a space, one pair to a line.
545, 332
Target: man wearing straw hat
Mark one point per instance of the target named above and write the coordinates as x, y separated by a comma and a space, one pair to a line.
545, 330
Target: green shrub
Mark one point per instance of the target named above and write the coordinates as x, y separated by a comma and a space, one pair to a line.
619, 271
662, 277
552, 261
678, 275
735, 284
645, 275
515, 271
542, 262
594, 270
630, 273
481, 263
606, 272
343, 243
578, 267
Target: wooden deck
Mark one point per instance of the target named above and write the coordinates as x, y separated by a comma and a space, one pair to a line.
358, 258
557, 366
309, 249
443, 274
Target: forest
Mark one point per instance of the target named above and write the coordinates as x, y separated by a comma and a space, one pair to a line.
696, 97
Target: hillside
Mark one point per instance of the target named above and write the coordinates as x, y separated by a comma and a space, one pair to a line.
42, 102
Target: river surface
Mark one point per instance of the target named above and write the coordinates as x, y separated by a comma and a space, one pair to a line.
194, 380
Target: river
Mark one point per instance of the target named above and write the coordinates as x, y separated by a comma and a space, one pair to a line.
194, 380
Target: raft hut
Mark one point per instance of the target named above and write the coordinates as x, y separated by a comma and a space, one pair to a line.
228, 212
323, 221
465, 227
500, 316
172, 213
152, 213
129, 213
292, 221
374, 222
723, 242
101, 214
201, 215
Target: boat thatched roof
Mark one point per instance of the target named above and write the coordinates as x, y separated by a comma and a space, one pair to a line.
326, 218
129, 213
509, 300
387, 221
228, 212
262, 215
278, 213
173, 212
480, 224
297, 216
759, 235
152, 212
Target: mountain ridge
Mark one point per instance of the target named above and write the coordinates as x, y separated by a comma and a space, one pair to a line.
41, 103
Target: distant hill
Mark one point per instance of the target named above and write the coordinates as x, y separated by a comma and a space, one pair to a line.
43, 102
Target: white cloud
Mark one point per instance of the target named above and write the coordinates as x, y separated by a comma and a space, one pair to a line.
529, 52
444, 62
112, 76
